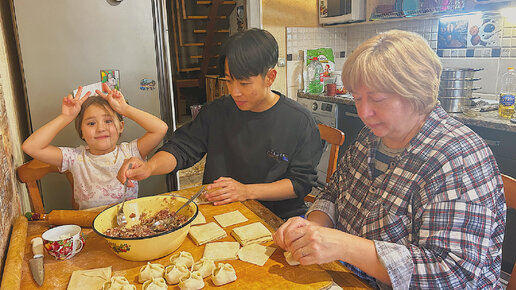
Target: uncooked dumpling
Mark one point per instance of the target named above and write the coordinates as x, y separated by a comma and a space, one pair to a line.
290, 259
193, 282
174, 273
205, 267
182, 258
223, 274
118, 283
150, 271
155, 284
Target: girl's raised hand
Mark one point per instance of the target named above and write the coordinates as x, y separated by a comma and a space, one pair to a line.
114, 97
72, 104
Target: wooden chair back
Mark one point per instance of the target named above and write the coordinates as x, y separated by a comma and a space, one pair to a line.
335, 138
509, 188
32, 171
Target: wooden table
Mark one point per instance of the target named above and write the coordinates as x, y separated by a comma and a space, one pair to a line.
96, 254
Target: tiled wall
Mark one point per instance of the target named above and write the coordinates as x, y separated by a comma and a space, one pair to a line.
494, 60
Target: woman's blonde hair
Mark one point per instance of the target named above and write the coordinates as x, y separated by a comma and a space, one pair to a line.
398, 62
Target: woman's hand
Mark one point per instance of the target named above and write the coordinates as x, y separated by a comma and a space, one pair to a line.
226, 190
115, 99
310, 243
71, 105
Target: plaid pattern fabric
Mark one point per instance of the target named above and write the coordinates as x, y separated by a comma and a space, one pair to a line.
437, 215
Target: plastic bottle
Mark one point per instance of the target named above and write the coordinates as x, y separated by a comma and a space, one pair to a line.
507, 94
314, 72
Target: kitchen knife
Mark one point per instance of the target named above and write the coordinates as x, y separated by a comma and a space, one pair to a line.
36, 263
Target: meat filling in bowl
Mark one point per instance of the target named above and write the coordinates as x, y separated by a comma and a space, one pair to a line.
143, 229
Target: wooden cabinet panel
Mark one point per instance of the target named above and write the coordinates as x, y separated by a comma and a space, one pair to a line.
216, 87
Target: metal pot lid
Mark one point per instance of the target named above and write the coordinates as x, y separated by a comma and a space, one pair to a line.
461, 79
459, 89
461, 69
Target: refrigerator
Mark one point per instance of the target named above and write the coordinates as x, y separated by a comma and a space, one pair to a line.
66, 43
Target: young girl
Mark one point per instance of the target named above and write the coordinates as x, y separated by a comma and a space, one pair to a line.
98, 120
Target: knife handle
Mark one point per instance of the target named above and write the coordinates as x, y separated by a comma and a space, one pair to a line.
37, 247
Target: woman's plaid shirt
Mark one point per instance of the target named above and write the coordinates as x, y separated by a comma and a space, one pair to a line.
437, 216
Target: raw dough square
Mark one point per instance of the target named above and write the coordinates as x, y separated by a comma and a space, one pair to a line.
89, 279
230, 218
255, 233
200, 219
206, 233
220, 251
255, 254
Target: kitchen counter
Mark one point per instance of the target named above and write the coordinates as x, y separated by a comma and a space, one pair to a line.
485, 119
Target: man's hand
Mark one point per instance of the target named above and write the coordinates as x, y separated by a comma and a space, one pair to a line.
226, 190
139, 170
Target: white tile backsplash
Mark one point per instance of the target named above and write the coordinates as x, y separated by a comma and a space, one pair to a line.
494, 60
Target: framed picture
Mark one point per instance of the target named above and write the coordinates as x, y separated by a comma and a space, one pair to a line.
111, 78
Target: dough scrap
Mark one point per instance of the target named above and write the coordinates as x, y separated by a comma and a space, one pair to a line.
255, 254
230, 218
220, 251
255, 233
206, 233
200, 219
89, 279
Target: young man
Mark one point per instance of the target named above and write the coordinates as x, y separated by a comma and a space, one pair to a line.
259, 144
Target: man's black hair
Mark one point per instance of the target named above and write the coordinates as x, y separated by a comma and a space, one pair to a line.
249, 53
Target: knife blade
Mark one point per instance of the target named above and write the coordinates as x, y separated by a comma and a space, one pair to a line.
36, 263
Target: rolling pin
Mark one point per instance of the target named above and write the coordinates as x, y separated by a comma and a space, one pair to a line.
14, 259
64, 217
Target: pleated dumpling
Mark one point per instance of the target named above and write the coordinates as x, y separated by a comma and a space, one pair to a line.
192, 282
175, 272
150, 271
118, 283
155, 284
204, 266
223, 274
182, 258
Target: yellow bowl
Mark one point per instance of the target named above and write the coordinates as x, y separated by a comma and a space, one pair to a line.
150, 247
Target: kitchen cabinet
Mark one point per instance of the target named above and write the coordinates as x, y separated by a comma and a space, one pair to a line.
503, 145
392, 10
216, 86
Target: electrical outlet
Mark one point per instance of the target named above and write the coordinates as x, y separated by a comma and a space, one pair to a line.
281, 62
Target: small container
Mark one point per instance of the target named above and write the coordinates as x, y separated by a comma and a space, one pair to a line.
63, 242
338, 82
330, 87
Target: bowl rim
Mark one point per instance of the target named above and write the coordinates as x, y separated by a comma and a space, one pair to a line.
151, 236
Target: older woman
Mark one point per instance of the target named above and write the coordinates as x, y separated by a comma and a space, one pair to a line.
417, 201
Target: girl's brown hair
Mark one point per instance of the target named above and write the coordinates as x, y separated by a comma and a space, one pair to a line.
98, 101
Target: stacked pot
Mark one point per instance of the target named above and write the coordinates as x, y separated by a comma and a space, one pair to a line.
456, 88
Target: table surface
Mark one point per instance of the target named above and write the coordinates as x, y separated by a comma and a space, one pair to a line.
96, 254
